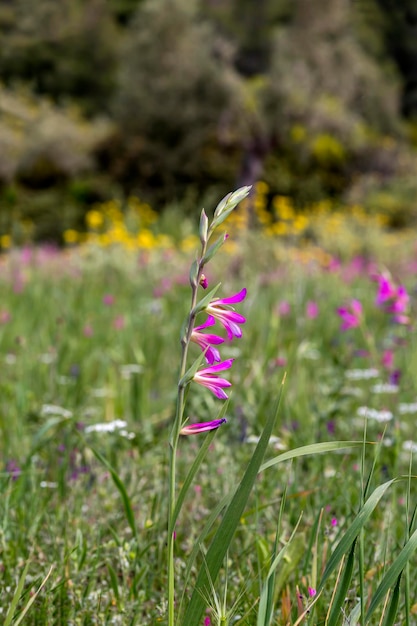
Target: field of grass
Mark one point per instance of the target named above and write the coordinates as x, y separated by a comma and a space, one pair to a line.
90, 352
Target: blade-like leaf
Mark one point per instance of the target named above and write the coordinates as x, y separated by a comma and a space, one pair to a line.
223, 537
392, 574
393, 606
121, 488
201, 305
353, 531
195, 467
314, 448
342, 589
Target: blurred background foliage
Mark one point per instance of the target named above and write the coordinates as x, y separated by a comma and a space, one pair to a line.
178, 100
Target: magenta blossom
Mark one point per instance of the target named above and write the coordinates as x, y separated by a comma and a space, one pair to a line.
351, 315
206, 341
312, 309
394, 299
221, 310
386, 290
399, 306
208, 378
202, 427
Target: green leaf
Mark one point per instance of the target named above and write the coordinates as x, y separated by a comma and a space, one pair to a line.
224, 535
121, 488
393, 605
392, 574
18, 593
342, 589
195, 467
353, 531
200, 306
314, 448
212, 250
266, 606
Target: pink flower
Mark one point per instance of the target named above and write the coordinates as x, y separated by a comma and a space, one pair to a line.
5, 317
351, 315
108, 299
386, 290
394, 299
387, 359
221, 310
280, 361
311, 592
208, 378
284, 308
399, 305
202, 427
119, 322
206, 341
312, 309
88, 331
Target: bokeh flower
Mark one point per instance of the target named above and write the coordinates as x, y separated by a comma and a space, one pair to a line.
312, 309
351, 315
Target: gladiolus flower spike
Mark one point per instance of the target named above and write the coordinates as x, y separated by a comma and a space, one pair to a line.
208, 378
202, 427
221, 310
207, 341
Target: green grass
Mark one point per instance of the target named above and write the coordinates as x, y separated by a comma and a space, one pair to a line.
83, 520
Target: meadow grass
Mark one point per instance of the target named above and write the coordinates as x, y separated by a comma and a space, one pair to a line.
90, 351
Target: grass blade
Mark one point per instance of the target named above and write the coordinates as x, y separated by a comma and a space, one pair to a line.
393, 607
342, 589
314, 448
16, 596
392, 574
194, 468
121, 488
223, 537
353, 531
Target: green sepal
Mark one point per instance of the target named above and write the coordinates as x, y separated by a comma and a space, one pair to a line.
200, 306
226, 206
212, 250
203, 230
195, 266
190, 373
232, 199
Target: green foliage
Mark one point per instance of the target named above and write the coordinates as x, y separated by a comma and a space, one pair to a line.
65, 50
194, 96
173, 80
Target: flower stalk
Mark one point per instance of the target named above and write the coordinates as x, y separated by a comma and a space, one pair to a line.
206, 376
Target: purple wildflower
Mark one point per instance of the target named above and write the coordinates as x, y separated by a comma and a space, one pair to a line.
386, 290
202, 427
206, 341
394, 299
351, 315
13, 469
312, 309
208, 378
221, 310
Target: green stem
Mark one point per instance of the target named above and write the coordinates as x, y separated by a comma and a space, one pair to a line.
173, 443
